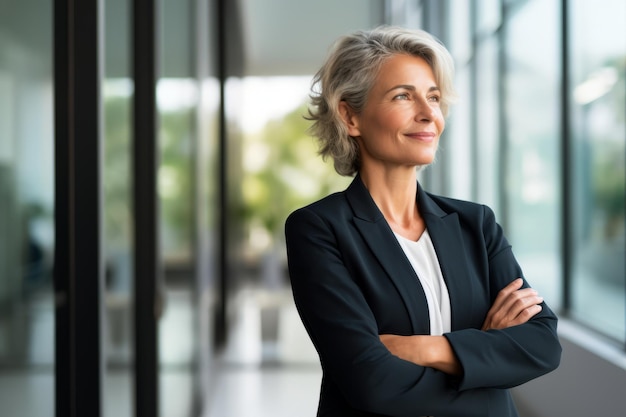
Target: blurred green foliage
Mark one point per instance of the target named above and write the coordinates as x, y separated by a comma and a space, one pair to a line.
174, 178
116, 173
282, 171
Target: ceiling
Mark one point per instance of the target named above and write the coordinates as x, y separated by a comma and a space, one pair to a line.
269, 37
292, 37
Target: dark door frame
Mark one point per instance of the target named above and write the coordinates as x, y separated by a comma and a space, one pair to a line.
78, 277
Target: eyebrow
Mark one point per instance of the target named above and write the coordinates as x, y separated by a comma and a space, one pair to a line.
411, 87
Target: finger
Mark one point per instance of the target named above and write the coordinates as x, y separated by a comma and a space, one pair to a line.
506, 315
518, 312
519, 299
522, 299
527, 314
525, 303
510, 288
514, 285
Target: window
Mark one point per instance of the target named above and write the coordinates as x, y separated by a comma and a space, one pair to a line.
509, 75
27, 327
532, 184
598, 130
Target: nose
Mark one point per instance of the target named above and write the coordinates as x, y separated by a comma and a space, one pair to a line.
424, 112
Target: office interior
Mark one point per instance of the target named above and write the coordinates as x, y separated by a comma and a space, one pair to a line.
150, 152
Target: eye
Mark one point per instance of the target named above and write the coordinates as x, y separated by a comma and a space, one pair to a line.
402, 96
434, 99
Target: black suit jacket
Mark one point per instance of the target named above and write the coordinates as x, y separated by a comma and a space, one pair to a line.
351, 281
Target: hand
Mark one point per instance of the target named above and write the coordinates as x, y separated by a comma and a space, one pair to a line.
513, 306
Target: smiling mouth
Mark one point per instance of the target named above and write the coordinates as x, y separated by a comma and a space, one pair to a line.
423, 136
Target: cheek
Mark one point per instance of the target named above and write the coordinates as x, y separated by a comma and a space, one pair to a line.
440, 122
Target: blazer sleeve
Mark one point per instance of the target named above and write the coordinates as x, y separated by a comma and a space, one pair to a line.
508, 357
345, 334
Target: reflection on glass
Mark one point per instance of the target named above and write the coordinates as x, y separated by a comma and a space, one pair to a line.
456, 144
460, 44
117, 95
598, 62
487, 15
533, 132
117, 222
487, 131
177, 99
187, 197
26, 211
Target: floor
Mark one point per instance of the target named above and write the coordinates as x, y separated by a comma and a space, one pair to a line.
268, 367
265, 392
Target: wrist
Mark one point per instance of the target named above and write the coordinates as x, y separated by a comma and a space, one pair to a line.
429, 351
436, 352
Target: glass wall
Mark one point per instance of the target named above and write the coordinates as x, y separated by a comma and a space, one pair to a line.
512, 112
533, 139
26, 209
188, 99
457, 141
277, 171
598, 178
486, 128
117, 97
187, 103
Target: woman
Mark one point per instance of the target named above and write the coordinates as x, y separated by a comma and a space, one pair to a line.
413, 301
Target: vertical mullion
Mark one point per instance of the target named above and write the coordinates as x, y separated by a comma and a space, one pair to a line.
566, 158
78, 264
473, 94
222, 221
503, 131
64, 378
145, 208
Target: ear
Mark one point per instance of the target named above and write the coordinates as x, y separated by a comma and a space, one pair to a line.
350, 118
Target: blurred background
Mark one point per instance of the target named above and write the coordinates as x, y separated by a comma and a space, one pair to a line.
539, 134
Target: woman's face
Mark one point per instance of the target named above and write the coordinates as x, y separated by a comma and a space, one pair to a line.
402, 119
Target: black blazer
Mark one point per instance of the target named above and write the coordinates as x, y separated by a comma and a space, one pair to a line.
351, 281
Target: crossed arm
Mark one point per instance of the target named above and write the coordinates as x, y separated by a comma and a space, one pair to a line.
513, 306
382, 377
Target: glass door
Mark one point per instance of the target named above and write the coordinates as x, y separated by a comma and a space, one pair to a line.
26, 209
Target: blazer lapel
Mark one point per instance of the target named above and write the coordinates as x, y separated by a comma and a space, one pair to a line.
380, 238
445, 232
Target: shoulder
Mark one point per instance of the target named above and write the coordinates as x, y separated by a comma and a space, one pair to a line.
464, 208
330, 203
476, 220
473, 217
326, 209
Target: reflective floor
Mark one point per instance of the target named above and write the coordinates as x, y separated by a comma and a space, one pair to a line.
269, 367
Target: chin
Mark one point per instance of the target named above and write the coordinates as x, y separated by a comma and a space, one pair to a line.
426, 162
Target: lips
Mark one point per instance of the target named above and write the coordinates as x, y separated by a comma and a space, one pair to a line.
422, 136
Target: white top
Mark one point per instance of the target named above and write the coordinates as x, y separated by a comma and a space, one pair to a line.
424, 260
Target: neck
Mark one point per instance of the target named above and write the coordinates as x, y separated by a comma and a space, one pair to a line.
394, 193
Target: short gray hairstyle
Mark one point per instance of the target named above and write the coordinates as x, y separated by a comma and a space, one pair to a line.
348, 74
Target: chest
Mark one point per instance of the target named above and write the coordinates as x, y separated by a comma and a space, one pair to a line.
395, 295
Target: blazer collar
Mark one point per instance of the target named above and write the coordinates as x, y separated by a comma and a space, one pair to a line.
445, 232
361, 201
377, 234
366, 209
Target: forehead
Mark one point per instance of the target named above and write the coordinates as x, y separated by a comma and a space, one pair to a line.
403, 68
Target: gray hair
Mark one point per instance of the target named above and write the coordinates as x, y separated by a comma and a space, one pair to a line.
349, 73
